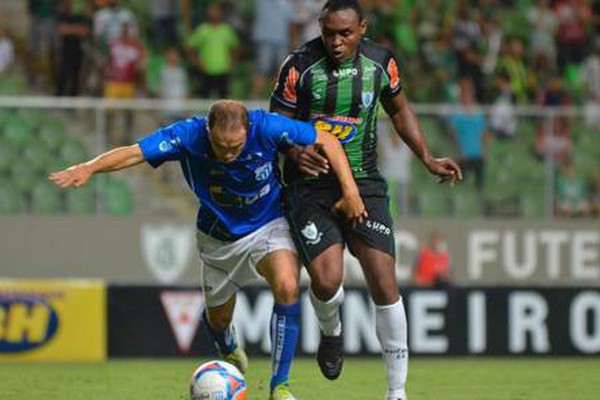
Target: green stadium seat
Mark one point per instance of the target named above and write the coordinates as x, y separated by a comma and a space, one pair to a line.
24, 176
72, 152
11, 200
7, 156
433, 201
51, 137
17, 133
46, 198
81, 200
38, 156
118, 198
466, 203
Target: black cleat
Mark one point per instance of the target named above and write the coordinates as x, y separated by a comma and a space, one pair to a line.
330, 356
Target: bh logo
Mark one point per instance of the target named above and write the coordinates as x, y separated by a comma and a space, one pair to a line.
26, 323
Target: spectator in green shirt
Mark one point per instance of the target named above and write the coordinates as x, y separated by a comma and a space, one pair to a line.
213, 47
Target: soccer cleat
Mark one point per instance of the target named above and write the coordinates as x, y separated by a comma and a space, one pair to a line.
281, 392
238, 358
330, 355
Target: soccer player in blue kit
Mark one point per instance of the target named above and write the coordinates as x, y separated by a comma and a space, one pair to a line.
229, 160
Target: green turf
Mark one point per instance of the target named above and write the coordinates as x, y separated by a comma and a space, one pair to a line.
362, 379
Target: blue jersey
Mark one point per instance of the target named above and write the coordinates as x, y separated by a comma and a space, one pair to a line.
239, 197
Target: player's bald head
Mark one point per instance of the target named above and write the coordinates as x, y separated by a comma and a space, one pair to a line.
227, 129
227, 115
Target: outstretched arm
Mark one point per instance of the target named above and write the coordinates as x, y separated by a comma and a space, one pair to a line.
407, 126
351, 203
112, 160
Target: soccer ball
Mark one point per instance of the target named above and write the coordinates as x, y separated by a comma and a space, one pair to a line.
217, 380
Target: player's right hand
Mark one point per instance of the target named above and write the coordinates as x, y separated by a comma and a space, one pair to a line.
352, 207
76, 176
311, 162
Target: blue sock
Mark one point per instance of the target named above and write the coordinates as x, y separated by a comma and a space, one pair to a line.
224, 341
285, 326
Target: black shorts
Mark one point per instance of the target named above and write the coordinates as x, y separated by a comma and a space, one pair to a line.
315, 227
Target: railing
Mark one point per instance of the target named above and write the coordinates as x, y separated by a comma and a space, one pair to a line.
512, 173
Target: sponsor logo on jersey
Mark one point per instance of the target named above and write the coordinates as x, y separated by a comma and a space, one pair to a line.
311, 233
345, 72
183, 309
27, 322
167, 250
344, 131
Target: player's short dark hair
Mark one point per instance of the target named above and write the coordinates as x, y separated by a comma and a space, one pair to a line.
227, 113
338, 5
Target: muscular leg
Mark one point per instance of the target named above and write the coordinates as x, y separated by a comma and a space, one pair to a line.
281, 269
390, 318
327, 293
218, 325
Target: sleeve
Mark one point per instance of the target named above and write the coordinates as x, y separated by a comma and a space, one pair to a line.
234, 41
171, 142
393, 86
285, 93
281, 132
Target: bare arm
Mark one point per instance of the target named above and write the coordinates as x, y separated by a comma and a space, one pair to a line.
112, 160
407, 126
308, 158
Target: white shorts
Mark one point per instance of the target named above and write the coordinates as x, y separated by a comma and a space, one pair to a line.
229, 266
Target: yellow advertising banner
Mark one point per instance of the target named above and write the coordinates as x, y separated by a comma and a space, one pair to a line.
54, 320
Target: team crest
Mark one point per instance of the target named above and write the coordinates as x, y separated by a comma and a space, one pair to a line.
367, 99
167, 250
263, 172
311, 233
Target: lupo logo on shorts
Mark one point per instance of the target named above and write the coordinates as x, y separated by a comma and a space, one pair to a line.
344, 131
26, 322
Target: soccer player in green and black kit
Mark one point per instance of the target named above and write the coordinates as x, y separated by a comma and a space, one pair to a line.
336, 81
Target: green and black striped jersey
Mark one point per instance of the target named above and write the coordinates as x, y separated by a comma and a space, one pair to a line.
342, 99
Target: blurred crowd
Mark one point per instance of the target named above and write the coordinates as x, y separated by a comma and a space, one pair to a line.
501, 53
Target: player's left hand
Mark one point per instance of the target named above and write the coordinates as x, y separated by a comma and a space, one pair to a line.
446, 169
352, 207
76, 176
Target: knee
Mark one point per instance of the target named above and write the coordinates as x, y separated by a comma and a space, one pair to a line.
324, 288
285, 291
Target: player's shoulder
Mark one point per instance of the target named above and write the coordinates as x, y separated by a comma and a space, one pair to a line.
307, 54
375, 51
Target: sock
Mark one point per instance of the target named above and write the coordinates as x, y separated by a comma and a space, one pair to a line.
328, 312
390, 326
224, 341
285, 326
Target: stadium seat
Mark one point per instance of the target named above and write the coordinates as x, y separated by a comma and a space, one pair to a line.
24, 176
72, 152
433, 201
38, 156
17, 133
51, 137
7, 156
118, 198
466, 203
46, 198
81, 200
11, 200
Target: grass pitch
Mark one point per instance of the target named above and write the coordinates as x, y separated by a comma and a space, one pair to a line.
362, 379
